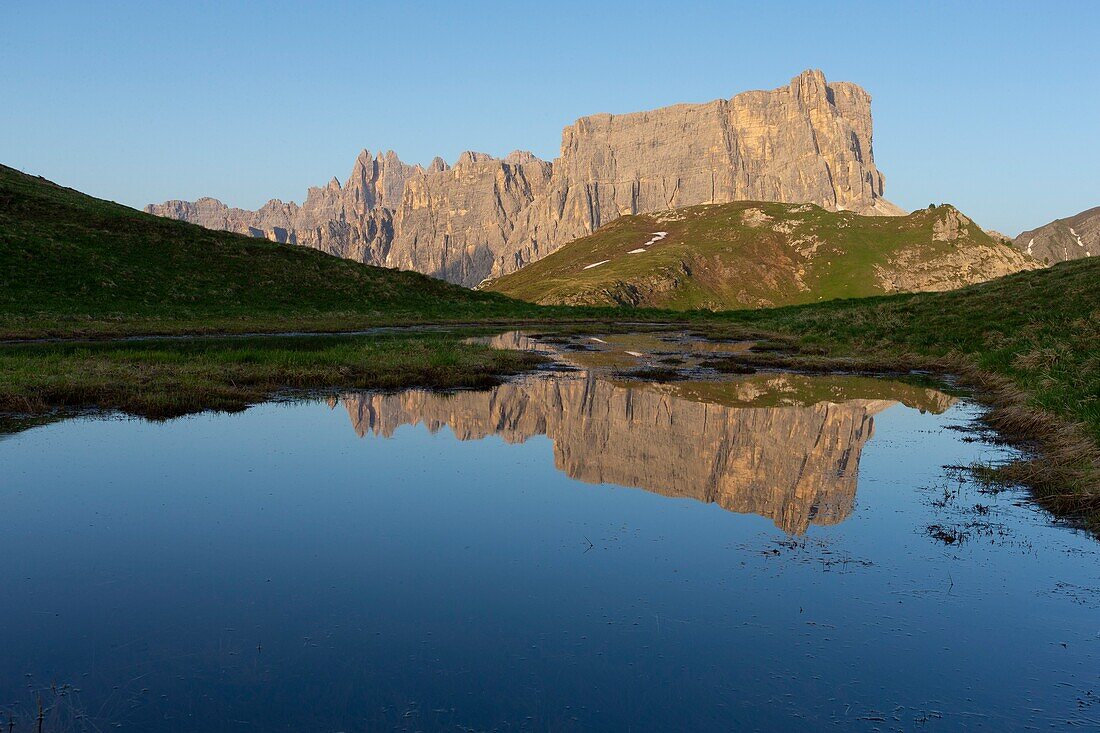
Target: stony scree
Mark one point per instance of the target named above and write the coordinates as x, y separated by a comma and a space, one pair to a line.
1072, 238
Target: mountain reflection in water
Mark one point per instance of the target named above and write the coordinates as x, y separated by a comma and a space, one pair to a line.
784, 446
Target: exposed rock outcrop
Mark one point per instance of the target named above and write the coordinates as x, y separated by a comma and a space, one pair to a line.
808, 141
1064, 239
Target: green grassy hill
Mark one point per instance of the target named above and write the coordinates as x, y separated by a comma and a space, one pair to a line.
73, 264
752, 255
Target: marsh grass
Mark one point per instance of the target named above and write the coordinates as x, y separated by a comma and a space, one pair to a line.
652, 374
167, 379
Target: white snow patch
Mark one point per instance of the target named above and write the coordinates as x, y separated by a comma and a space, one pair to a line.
598, 341
657, 237
596, 264
1078, 236
635, 353
1029, 243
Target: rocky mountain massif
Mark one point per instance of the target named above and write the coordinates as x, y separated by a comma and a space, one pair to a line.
1064, 239
755, 254
808, 141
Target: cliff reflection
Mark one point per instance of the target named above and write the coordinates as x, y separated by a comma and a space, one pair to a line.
750, 445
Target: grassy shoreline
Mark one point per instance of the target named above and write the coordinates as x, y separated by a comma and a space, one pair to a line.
168, 378
1060, 463
79, 328
171, 378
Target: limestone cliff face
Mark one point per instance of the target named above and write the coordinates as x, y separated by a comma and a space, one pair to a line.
1064, 239
795, 465
809, 141
454, 223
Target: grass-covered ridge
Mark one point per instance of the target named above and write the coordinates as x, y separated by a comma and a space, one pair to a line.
72, 264
751, 254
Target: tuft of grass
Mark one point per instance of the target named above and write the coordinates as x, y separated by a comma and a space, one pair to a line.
652, 374
728, 365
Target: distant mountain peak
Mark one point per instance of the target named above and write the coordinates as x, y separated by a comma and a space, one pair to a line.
1071, 238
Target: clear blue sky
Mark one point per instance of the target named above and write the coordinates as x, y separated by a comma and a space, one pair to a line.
994, 107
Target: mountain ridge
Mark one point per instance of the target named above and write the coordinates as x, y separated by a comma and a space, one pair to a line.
808, 141
1068, 238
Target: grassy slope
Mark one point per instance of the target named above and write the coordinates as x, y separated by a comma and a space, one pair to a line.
714, 258
1031, 339
72, 264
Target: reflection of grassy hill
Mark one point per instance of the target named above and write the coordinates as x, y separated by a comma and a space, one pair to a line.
749, 254
71, 263
695, 368
796, 390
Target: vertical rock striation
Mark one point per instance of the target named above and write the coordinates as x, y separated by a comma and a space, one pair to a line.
795, 465
808, 141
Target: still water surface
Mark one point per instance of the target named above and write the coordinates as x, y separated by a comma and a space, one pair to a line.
569, 551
